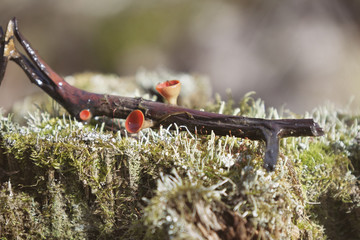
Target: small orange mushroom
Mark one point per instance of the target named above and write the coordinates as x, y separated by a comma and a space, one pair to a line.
85, 115
135, 122
170, 90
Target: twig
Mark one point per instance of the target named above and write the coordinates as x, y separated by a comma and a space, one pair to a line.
75, 100
3, 59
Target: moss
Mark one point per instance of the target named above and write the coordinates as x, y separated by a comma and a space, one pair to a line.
63, 179
20, 216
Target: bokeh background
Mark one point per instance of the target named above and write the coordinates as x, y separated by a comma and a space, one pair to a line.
297, 53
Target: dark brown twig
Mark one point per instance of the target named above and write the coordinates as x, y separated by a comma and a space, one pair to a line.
75, 100
3, 59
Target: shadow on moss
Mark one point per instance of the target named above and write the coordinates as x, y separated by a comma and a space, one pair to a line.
337, 217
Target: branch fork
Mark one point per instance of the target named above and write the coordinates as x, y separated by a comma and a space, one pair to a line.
84, 105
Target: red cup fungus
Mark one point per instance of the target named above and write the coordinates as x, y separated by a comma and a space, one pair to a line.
85, 115
135, 122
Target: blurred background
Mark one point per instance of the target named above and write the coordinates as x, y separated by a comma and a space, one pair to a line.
294, 53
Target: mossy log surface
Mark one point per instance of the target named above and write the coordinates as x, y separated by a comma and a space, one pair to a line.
63, 179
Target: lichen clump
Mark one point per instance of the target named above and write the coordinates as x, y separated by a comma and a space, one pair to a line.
63, 179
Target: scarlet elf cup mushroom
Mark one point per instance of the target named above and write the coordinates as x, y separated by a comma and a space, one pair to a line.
85, 115
170, 90
136, 122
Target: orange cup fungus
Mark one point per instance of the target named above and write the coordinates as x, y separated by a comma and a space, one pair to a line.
170, 90
135, 122
85, 115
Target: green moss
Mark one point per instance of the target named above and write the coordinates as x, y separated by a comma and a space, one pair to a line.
62, 179
20, 216
316, 156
